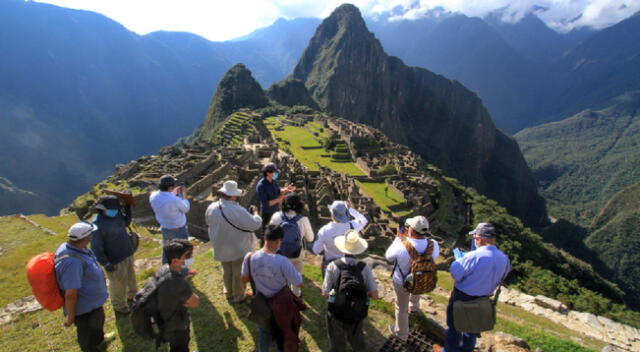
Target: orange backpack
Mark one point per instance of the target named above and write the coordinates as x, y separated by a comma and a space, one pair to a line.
41, 274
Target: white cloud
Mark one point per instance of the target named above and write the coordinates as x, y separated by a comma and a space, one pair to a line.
222, 20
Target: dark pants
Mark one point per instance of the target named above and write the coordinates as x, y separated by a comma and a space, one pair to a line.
178, 341
266, 218
340, 333
90, 330
455, 341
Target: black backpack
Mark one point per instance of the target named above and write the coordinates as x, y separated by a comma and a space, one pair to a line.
145, 315
291, 241
350, 303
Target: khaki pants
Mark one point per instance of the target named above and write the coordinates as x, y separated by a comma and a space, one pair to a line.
233, 287
297, 263
404, 301
122, 284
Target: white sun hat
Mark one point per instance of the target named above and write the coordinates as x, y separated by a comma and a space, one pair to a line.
230, 188
351, 243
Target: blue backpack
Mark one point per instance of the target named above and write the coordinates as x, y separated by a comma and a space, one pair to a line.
292, 241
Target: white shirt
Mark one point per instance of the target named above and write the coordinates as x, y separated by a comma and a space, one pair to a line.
229, 243
169, 209
328, 232
396, 253
306, 232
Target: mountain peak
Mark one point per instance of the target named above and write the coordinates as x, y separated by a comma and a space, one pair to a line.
237, 89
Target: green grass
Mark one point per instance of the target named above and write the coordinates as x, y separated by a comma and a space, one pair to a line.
386, 200
299, 137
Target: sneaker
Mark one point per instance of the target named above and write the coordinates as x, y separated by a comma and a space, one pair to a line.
438, 348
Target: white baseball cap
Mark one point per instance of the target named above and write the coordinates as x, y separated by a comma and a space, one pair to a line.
81, 230
419, 223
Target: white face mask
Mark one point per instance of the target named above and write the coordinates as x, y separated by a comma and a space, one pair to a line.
188, 262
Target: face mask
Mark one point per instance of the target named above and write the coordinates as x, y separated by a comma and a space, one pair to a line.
188, 262
112, 213
275, 176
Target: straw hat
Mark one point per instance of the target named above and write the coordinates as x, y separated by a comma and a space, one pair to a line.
351, 243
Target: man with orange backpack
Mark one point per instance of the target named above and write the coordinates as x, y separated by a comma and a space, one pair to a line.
414, 271
83, 285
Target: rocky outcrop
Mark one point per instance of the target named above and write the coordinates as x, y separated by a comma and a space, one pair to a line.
237, 89
624, 337
348, 73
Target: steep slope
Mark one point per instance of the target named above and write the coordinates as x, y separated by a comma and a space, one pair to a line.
466, 49
580, 162
615, 238
349, 74
601, 68
80, 93
290, 92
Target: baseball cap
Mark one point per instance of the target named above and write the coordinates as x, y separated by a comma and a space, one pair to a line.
108, 202
81, 230
339, 211
418, 223
167, 181
270, 167
484, 230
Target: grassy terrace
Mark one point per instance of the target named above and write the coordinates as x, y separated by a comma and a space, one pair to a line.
388, 200
308, 150
299, 137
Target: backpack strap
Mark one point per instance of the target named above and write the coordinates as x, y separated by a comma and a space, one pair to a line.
251, 282
229, 222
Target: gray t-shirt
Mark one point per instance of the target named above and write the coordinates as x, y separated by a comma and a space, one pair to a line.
332, 273
270, 272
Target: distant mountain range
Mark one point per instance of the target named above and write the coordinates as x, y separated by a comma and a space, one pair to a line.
82, 93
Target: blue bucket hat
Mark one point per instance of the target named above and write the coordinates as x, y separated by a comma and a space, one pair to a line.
339, 211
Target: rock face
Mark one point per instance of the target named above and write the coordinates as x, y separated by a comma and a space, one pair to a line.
237, 89
291, 92
348, 73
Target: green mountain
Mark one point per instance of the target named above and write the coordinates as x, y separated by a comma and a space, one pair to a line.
348, 74
580, 162
586, 167
237, 89
614, 237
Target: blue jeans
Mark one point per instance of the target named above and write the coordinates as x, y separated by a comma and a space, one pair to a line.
168, 235
455, 341
265, 336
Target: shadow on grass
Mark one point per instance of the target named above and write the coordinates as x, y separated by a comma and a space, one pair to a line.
132, 342
212, 331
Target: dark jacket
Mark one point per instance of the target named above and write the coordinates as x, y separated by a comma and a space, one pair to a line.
286, 309
111, 243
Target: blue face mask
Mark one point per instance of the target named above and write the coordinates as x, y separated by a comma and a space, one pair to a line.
275, 176
112, 213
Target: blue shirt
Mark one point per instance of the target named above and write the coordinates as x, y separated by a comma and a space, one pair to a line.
270, 272
479, 272
268, 191
87, 277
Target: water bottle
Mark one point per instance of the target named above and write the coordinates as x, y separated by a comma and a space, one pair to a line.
332, 296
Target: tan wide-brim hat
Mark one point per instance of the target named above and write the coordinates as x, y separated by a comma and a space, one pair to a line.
351, 243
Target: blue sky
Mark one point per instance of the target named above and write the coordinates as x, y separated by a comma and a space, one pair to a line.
223, 19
